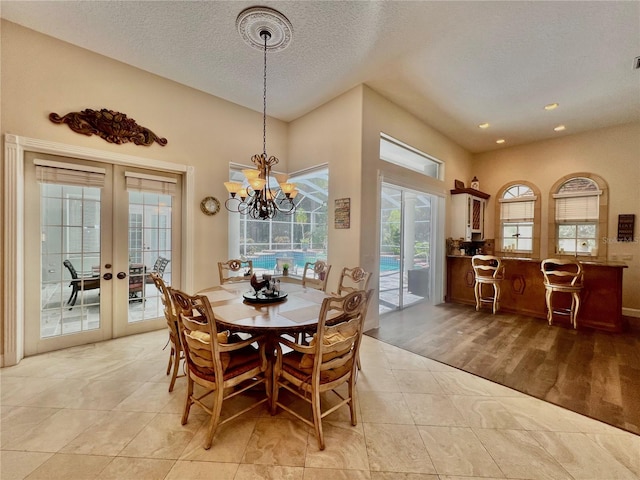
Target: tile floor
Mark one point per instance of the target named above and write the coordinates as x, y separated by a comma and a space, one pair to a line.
103, 411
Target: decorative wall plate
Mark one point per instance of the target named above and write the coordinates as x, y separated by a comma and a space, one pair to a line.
210, 205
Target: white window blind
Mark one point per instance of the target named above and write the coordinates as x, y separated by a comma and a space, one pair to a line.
521, 211
60, 173
141, 182
577, 209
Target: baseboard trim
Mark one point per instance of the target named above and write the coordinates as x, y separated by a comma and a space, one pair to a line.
631, 312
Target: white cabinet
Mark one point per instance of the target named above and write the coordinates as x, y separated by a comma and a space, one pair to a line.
467, 214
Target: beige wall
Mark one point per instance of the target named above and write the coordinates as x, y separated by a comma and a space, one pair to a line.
41, 75
331, 135
612, 153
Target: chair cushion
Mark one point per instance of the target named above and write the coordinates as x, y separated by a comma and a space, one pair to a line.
241, 361
332, 335
225, 357
291, 364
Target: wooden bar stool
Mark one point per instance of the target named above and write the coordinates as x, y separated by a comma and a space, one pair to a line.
488, 270
564, 276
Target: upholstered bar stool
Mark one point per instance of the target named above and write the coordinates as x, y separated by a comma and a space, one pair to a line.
488, 270
562, 276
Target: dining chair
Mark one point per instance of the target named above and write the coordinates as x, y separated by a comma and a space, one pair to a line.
488, 270
158, 268
176, 355
79, 284
229, 270
326, 363
223, 370
352, 279
562, 276
316, 274
136, 282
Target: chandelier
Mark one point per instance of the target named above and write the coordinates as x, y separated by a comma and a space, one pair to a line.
262, 28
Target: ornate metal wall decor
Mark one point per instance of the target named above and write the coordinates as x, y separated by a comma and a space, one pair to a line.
114, 127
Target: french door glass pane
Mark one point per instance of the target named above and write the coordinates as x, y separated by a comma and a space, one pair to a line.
149, 240
70, 259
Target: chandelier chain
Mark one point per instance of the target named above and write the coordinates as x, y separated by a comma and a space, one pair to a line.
266, 36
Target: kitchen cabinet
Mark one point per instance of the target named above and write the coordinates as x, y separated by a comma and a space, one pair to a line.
467, 214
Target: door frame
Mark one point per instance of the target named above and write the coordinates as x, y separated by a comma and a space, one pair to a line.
14, 286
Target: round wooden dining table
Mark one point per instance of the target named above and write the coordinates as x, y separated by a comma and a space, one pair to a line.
296, 313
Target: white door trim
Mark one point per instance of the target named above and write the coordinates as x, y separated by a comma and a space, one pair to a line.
13, 229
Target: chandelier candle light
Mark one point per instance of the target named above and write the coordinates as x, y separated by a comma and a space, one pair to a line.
262, 28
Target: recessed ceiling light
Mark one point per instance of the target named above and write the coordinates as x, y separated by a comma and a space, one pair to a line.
500, 140
559, 128
483, 125
551, 106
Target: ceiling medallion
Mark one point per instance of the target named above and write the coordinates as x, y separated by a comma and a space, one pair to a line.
255, 20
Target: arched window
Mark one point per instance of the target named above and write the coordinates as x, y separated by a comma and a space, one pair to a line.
577, 216
519, 219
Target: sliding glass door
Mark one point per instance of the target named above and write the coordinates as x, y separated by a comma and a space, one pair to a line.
406, 254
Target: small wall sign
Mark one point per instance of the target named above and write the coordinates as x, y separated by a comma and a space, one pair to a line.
342, 218
626, 224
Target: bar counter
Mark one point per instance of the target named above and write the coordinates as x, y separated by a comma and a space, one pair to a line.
522, 290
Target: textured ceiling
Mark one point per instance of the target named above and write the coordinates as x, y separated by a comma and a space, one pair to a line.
452, 64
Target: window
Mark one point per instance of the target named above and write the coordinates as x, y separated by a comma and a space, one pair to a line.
301, 235
577, 206
517, 206
398, 153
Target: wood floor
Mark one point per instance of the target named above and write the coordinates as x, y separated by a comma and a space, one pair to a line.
590, 372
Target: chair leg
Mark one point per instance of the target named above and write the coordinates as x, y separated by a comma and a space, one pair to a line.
575, 308
352, 402
478, 291
189, 400
496, 297
317, 419
215, 416
171, 353
547, 297
176, 366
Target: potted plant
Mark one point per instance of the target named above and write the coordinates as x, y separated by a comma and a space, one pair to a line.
285, 269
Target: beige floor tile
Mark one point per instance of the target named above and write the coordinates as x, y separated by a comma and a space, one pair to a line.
624, 446
278, 442
434, 410
581, 457
334, 474
56, 431
122, 468
269, 472
150, 397
17, 465
519, 455
455, 477
402, 476
109, 435
163, 437
186, 470
403, 360
417, 381
20, 390
16, 421
84, 394
229, 442
485, 412
384, 407
63, 466
457, 451
462, 383
396, 448
377, 381
435, 366
345, 447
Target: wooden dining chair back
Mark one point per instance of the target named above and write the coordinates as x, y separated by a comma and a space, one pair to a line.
562, 276
176, 354
79, 283
235, 270
326, 363
488, 270
316, 274
223, 370
352, 279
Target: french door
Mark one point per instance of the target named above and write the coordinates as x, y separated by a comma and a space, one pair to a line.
407, 240
93, 233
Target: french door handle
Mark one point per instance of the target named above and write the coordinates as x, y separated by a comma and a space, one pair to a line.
107, 276
121, 275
